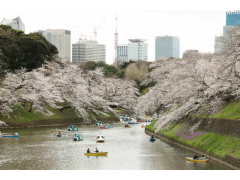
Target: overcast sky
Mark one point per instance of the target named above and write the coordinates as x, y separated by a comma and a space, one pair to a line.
196, 28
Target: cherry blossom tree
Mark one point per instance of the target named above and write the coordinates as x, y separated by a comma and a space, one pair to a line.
60, 85
185, 86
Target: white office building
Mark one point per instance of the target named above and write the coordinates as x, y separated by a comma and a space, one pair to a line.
15, 23
122, 53
87, 50
137, 50
61, 39
167, 46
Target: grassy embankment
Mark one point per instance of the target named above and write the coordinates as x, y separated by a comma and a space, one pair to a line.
22, 115
229, 111
218, 144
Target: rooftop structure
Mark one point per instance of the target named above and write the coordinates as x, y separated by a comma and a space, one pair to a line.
137, 40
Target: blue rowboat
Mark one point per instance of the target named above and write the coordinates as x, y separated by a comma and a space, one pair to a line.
59, 135
77, 137
152, 139
72, 128
15, 135
133, 123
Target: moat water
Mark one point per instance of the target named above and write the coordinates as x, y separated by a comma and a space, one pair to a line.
128, 149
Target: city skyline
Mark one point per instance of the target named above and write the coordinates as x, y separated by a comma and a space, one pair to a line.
196, 28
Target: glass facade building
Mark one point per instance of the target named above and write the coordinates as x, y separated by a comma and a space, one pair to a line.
232, 21
167, 46
61, 39
233, 18
122, 53
84, 51
15, 23
137, 50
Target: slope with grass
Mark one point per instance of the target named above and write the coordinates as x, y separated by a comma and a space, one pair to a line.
22, 117
230, 110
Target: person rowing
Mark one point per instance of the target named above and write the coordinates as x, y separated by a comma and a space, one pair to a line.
195, 157
88, 151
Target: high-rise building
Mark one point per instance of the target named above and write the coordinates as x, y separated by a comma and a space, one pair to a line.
232, 21
167, 46
15, 23
219, 45
61, 39
233, 18
137, 50
122, 53
86, 50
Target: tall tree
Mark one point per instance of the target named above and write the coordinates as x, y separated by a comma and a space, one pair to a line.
19, 50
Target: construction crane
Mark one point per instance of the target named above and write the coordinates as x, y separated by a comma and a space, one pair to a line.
78, 31
96, 29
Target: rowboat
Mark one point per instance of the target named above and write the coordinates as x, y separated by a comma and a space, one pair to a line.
197, 160
96, 154
15, 135
72, 128
152, 139
77, 137
127, 127
59, 135
56, 130
148, 121
104, 127
142, 126
100, 139
133, 121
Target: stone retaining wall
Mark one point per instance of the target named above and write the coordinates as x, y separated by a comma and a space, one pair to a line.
220, 126
229, 161
54, 122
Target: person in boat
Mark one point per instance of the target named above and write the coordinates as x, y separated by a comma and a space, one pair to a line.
88, 151
96, 150
59, 133
152, 137
202, 158
195, 157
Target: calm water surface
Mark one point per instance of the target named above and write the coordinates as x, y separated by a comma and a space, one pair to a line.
128, 149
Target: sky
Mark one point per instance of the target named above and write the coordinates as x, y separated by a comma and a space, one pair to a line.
196, 23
